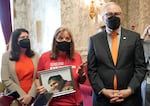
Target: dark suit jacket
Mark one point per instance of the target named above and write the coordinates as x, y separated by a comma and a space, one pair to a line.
130, 68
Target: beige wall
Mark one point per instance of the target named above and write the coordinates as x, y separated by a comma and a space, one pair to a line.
75, 15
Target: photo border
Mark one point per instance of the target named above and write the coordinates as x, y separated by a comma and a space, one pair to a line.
65, 72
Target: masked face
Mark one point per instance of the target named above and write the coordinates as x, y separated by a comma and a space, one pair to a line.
113, 22
24, 43
63, 46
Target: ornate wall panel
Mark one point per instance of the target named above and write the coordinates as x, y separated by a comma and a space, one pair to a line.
75, 16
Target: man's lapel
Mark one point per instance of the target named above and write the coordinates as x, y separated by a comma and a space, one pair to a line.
123, 42
106, 46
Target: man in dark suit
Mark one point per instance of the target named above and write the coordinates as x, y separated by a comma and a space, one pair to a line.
116, 79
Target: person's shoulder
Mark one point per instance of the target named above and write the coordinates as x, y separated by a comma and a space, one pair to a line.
77, 54
130, 32
46, 54
7, 53
99, 34
68, 85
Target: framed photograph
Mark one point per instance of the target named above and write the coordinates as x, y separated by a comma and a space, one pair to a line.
58, 81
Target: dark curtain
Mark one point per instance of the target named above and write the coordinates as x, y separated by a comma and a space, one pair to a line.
5, 17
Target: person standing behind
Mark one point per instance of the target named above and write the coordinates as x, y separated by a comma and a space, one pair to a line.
116, 64
19, 67
63, 54
145, 86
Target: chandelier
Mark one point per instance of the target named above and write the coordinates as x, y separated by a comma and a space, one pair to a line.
96, 7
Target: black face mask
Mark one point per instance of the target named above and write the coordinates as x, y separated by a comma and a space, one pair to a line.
24, 43
113, 22
63, 46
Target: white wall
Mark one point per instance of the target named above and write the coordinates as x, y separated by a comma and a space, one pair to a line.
45, 20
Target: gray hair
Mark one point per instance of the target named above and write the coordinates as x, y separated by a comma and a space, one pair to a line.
109, 4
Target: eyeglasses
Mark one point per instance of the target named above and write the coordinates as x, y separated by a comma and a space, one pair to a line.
109, 14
